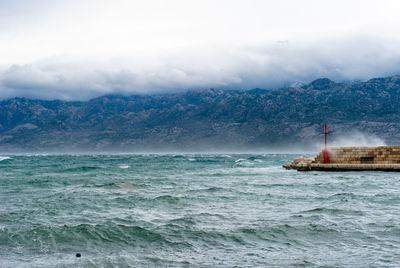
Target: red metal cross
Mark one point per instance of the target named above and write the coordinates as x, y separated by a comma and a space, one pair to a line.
326, 130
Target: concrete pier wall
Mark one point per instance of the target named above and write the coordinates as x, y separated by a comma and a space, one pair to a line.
362, 155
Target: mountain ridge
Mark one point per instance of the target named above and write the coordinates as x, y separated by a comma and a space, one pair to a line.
204, 119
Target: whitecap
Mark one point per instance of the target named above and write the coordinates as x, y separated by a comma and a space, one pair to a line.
124, 166
4, 158
256, 170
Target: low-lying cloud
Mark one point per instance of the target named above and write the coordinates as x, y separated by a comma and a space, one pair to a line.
265, 66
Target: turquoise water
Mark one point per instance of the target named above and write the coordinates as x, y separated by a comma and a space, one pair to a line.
193, 211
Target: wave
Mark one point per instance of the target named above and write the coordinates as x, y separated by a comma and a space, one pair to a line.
249, 162
211, 189
195, 218
124, 166
81, 169
167, 199
184, 227
292, 233
2, 158
84, 233
334, 211
112, 187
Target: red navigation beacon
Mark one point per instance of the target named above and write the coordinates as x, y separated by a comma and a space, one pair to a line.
326, 130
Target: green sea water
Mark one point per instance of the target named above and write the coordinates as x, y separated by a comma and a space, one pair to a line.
193, 211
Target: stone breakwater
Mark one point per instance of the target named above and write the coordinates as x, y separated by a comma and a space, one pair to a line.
382, 158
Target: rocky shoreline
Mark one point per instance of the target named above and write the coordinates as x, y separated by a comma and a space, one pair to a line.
300, 163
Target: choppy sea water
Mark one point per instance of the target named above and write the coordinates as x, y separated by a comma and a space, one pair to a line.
193, 211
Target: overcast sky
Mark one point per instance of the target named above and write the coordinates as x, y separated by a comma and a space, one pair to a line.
79, 49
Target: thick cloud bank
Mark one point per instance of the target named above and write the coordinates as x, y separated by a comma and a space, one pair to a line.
273, 65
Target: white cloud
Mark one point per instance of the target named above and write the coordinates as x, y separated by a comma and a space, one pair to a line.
267, 66
82, 49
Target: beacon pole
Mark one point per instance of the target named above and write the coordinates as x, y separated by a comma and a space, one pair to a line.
326, 130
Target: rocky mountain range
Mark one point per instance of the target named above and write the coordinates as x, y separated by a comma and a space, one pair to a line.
204, 120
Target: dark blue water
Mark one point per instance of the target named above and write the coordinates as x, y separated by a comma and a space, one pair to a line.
193, 211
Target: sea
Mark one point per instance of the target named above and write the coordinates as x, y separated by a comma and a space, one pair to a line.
193, 210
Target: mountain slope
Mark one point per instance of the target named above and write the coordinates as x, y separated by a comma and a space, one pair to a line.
203, 119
